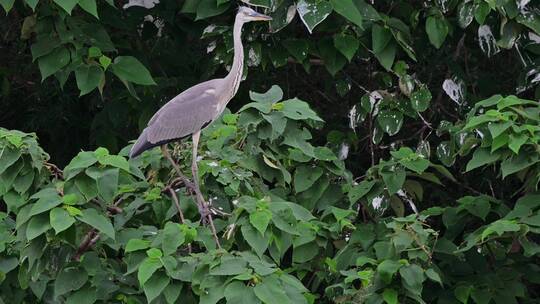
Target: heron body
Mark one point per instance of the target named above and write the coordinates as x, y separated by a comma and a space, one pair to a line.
194, 109
197, 107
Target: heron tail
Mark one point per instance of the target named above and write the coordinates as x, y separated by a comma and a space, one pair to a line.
142, 144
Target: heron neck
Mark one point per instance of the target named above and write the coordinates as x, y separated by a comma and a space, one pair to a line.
235, 74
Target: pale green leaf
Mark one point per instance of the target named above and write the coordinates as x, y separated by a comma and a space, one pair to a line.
60, 219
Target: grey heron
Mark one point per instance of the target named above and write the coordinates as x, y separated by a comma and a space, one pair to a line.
197, 107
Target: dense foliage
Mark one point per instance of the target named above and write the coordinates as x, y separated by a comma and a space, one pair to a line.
397, 160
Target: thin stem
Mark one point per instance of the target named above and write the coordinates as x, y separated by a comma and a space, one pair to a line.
177, 204
174, 164
180, 213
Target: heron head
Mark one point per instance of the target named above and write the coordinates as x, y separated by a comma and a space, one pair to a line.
247, 14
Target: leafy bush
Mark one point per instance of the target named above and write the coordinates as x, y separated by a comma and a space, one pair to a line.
293, 225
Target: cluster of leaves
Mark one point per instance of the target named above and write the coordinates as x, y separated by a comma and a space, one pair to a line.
512, 128
294, 227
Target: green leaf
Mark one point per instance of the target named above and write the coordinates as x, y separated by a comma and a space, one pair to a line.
347, 45
82, 296
258, 242
412, 277
107, 184
434, 276
349, 10
94, 52
387, 269
333, 60
420, 99
299, 48
517, 163
32, 3
88, 77
530, 19
437, 30
8, 264
478, 120
137, 244
516, 141
67, 5
13, 201
43, 47
273, 95
297, 109
462, 293
386, 57
89, 6
380, 38
45, 203
7, 5
260, 219
155, 286
23, 182
360, 190
37, 225
60, 219
390, 121
532, 220
465, 14
305, 177
53, 62
83, 160
394, 179
313, 13
445, 154
87, 186
500, 227
105, 61
68, 280
481, 296
130, 69
238, 293
481, 10
230, 266
497, 128
172, 292
271, 291
98, 221
482, 157
210, 8
147, 269
8, 156
154, 253
390, 296
115, 161
173, 237
478, 206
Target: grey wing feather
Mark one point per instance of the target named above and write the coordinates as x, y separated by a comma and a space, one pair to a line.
185, 114
179, 119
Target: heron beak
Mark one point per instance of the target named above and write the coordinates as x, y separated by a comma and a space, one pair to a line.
260, 17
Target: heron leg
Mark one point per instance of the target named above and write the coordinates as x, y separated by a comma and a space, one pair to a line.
195, 172
203, 205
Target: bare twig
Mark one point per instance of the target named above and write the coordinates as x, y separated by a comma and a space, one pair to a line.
88, 241
177, 204
180, 213
312, 61
55, 171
